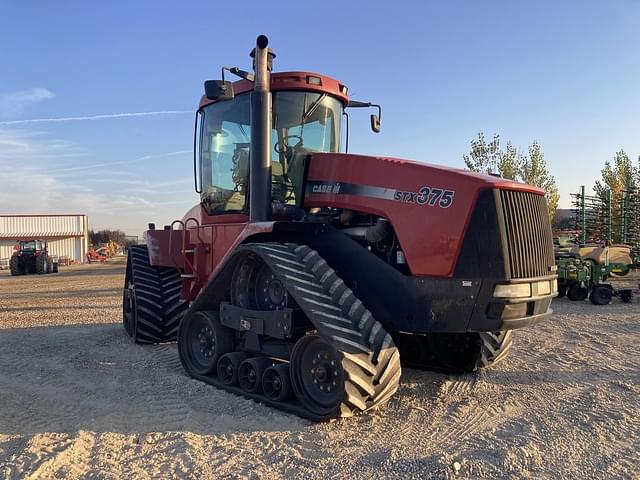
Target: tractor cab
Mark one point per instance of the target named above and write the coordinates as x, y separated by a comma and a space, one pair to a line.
31, 247
303, 122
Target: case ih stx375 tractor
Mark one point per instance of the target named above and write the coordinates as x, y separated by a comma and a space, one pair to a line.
308, 275
31, 256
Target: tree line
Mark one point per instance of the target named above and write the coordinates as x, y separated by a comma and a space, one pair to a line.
105, 236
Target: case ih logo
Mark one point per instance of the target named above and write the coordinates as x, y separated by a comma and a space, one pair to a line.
431, 196
326, 188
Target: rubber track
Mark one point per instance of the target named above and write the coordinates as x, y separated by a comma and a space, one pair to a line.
157, 291
370, 359
494, 347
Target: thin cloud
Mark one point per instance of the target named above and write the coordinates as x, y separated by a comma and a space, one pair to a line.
35, 148
95, 117
14, 103
122, 162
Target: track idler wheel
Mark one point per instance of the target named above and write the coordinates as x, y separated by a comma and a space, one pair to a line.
250, 374
228, 366
276, 383
317, 376
203, 340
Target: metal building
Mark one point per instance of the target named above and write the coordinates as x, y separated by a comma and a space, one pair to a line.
66, 235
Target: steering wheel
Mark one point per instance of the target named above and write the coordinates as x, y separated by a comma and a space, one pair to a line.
283, 148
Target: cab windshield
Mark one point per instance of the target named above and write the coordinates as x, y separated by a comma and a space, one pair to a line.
303, 123
27, 246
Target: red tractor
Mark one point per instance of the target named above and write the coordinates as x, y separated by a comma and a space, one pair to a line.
305, 276
32, 256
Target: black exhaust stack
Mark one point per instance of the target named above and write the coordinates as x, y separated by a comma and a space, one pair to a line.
260, 209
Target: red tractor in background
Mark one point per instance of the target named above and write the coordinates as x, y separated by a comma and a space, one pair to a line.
304, 277
32, 256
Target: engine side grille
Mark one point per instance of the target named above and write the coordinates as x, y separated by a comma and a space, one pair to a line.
528, 233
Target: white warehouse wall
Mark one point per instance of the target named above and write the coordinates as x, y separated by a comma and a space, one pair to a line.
66, 235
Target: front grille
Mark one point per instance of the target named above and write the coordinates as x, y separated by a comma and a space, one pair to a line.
528, 233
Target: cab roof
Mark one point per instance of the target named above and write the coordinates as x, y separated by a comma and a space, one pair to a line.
308, 81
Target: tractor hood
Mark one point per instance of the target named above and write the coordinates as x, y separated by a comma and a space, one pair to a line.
426, 204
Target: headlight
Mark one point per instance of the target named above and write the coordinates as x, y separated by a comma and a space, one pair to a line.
554, 286
541, 288
516, 290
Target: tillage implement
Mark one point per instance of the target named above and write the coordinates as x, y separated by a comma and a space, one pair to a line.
305, 276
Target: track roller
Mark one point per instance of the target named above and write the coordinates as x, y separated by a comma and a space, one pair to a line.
228, 366
276, 382
250, 373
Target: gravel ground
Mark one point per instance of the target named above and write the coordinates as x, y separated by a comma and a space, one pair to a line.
78, 400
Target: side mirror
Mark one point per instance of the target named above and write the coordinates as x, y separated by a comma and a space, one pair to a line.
375, 123
218, 90
375, 119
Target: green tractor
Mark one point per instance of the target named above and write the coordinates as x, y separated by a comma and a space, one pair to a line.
32, 256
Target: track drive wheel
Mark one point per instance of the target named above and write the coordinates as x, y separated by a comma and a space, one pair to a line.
600, 295
14, 266
276, 382
577, 292
202, 341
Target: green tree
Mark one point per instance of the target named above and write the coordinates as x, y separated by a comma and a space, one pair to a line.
509, 163
617, 176
534, 171
484, 157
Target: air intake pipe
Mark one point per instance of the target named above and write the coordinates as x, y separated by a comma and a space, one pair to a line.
260, 153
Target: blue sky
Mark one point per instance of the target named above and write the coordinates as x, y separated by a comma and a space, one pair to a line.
564, 73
